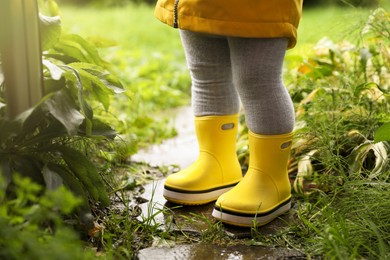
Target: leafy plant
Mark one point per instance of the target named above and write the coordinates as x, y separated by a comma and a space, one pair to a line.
149, 62
32, 226
341, 98
383, 133
340, 161
338, 169
53, 140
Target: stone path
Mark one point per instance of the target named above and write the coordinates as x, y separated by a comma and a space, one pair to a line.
182, 151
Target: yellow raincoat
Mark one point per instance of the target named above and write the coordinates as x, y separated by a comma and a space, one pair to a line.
240, 18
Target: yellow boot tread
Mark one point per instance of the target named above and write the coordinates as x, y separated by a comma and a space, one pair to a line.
199, 191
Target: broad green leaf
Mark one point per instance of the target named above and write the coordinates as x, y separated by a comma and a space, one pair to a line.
69, 180
35, 119
75, 46
108, 80
63, 108
90, 50
71, 51
99, 75
12, 128
93, 83
52, 85
82, 79
44, 131
72, 76
50, 28
59, 57
55, 71
86, 172
100, 128
101, 42
382, 133
27, 166
23, 124
101, 94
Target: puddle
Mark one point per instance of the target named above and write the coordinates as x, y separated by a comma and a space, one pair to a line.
181, 150
193, 221
203, 251
163, 212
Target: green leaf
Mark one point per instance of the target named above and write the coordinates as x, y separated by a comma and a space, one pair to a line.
76, 47
55, 71
28, 166
71, 51
63, 108
89, 49
86, 172
46, 133
59, 57
70, 181
105, 77
11, 128
50, 28
73, 77
101, 83
101, 42
99, 76
100, 128
382, 133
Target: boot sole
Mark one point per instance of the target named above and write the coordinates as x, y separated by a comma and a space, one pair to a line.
247, 219
187, 197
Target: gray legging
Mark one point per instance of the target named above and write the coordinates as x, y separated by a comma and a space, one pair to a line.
222, 66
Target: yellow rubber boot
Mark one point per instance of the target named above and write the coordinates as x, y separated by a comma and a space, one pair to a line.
265, 192
215, 171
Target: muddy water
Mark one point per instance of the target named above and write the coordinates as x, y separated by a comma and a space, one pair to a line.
175, 218
182, 151
203, 251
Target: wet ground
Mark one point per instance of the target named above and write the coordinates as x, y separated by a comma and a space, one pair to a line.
196, 221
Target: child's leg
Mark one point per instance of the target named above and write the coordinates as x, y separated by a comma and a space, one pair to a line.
215, 104
264, 193
208, 60
257, 73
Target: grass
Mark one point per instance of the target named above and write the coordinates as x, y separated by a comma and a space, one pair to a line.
335, 23
133, 27
146, 56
